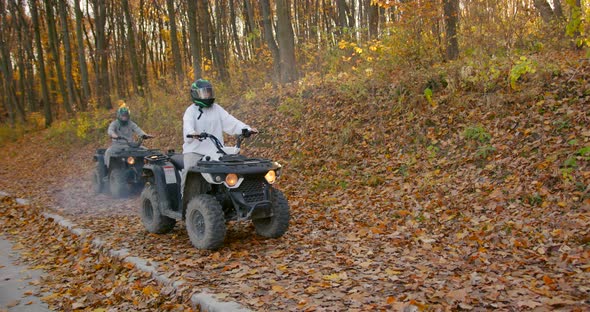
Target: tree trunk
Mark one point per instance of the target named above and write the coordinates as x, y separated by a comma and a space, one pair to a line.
373, 17
119, 46
286, 41
63, 14
174, 41
6, 70
194, 39
83, 68
138, 84
102, 81
29, 56
252, 28
558, 9
218, 43
54, 51
25, 56
270, 39
545, 10
212, 36
144, 49
451, 11
41, 62
234, 30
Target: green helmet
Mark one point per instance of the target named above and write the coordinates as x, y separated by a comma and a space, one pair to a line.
123, 115
202, 93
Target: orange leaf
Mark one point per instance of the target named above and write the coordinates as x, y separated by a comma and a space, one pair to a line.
548, 280
149, 290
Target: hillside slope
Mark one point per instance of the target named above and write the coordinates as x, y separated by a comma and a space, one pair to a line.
467, 200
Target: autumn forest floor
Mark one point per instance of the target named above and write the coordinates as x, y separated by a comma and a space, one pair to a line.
477, 201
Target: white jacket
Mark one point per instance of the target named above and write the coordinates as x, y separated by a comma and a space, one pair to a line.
213, 120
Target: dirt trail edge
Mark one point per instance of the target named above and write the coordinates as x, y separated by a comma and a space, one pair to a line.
201, 301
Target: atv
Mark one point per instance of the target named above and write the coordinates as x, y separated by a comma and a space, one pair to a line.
123, 176
223, 187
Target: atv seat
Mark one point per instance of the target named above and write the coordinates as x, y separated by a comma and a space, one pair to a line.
178, 161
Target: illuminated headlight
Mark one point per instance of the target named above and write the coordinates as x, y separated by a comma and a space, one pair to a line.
130, 160
271, 177
231, 179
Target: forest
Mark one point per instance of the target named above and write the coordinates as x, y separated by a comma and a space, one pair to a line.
436, 153
64, 57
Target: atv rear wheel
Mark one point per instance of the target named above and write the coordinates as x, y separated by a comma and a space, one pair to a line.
276, 225
118, 183
205, 223
152, 218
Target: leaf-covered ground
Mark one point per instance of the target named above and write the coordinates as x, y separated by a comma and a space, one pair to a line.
481, 201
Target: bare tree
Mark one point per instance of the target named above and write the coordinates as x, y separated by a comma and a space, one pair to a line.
102, 66
286, 40
41, 62
135, 71
174, 41
451, 12
54, 52
195, 42
63, 15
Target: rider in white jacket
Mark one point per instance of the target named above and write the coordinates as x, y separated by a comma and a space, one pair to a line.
204, 115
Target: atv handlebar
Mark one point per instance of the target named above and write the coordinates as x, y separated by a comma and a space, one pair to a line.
139, 141
246, 133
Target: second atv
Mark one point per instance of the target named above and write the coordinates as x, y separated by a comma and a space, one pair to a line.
123, 176
222, 187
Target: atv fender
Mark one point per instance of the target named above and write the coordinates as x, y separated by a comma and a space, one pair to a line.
168, 189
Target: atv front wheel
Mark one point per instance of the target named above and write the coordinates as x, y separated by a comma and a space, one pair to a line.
152, 218
276, 225
204, 222
97, 184
118, 184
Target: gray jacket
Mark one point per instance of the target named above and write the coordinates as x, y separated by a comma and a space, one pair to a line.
125, 131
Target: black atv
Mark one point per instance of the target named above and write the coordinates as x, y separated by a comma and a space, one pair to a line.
123, 176
220, 188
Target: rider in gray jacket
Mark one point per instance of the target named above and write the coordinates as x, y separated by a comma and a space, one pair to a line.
121, 131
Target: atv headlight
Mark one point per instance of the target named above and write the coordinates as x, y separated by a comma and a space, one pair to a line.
231, 179
271, 177
130, 160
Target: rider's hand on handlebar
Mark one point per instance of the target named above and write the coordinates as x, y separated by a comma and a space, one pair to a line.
147, 136
114, 136
199, 137
247, 132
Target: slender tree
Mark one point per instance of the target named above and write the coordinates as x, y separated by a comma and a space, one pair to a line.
373, 19
63, 14
6, 70
195, 42
41, 63
135, 71
54, 52
270, 38
82, 67
451, 12
24, 26
174, 41
234, 30
102, 81
286, 40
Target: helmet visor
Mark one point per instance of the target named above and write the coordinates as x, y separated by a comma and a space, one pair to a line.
205, 93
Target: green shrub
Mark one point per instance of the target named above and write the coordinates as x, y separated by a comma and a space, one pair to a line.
477, 133
522, 67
